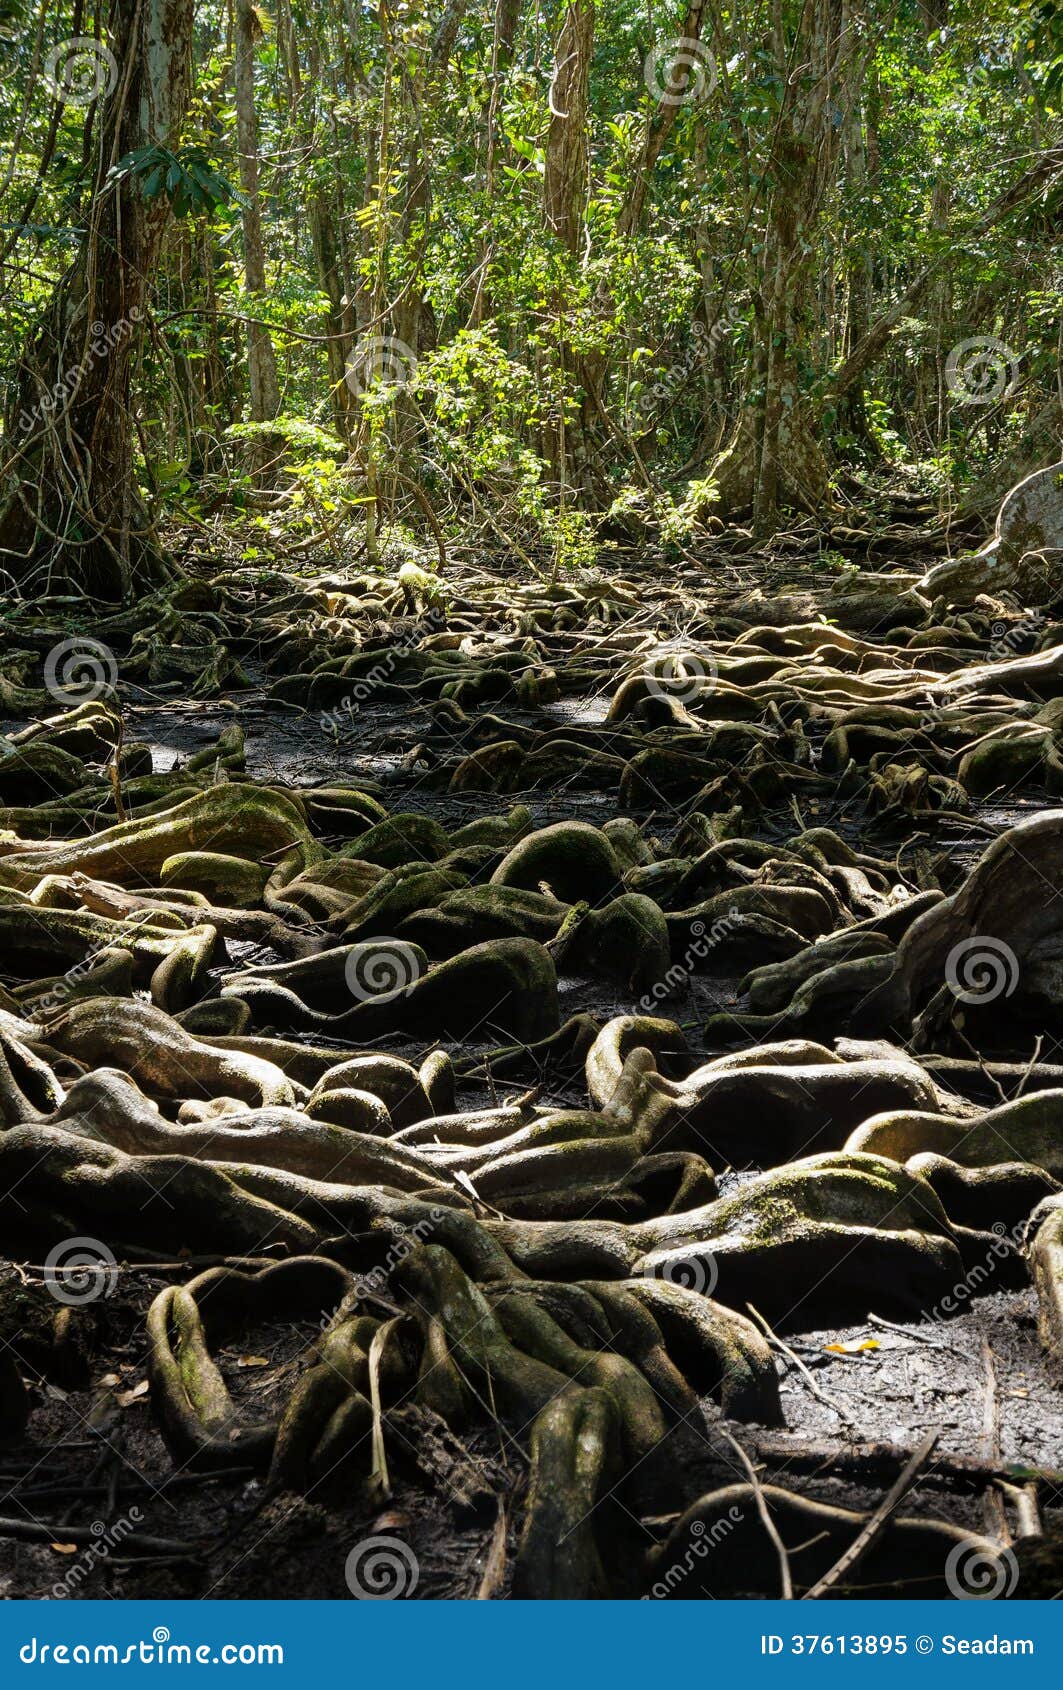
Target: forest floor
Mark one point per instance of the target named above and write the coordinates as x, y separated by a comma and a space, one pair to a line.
790, 736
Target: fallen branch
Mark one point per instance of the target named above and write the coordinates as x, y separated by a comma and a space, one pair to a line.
876, 1523
871, 1463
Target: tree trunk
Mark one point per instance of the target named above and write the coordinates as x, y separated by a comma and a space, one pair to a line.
338, 347
564, 208
261, 364
565, 176
70, 509
775, 458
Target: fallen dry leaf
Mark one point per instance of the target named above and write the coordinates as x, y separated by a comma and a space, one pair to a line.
124, 1398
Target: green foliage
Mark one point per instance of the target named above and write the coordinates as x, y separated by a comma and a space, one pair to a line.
401, 188
193, 186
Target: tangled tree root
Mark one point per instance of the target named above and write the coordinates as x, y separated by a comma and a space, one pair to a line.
420, 1084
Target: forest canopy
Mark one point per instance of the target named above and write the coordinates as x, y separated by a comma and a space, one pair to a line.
536, 277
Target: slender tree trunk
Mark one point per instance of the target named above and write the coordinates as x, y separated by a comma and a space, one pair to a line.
261, 363
565, 199
507, 17
851, 414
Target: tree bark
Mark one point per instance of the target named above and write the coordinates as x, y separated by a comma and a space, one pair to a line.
564, 207
261, 363
565, 177
775, 458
